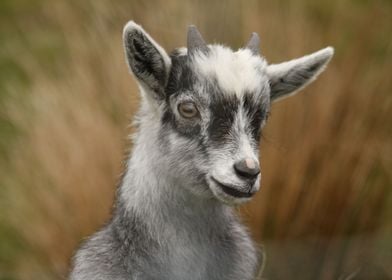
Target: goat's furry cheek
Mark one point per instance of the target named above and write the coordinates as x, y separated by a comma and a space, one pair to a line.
187, 130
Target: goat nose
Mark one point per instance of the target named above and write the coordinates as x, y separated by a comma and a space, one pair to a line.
247, 168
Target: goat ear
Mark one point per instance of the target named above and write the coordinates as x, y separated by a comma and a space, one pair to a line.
146, 59
288, 77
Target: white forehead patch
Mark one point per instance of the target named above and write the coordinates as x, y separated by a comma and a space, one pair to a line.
235, 72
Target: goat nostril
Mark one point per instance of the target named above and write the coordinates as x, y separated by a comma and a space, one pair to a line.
247, 168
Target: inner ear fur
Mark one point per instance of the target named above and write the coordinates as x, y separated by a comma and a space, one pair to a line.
147, 60
289, 77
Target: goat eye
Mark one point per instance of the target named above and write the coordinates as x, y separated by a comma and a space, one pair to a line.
187, 110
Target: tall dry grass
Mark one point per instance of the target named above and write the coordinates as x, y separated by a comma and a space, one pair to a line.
324, 211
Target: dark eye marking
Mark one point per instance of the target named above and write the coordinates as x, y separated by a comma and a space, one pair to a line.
169, 121
181, 78
256, 112
223, 110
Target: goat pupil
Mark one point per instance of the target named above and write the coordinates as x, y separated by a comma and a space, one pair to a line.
187, 110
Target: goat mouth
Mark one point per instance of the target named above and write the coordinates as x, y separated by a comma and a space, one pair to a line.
231, 190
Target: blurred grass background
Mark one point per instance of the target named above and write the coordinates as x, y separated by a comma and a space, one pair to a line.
66, 99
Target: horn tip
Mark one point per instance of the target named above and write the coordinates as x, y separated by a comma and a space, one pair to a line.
256, 36
254, 43
195, 41
192, 27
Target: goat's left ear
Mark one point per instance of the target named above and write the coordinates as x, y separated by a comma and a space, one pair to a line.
148, 61
288, 77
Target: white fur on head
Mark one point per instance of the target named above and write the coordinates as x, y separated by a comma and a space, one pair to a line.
235, 72
288, 77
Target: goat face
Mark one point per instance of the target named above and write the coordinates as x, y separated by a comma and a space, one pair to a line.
216, 104
211, 104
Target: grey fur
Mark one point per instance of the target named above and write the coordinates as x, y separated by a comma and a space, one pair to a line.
173, 218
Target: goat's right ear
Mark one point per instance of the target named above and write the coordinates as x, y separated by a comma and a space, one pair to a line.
147, 60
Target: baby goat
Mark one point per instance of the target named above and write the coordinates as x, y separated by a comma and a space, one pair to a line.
195, 154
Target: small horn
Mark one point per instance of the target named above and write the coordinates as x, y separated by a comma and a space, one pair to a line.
195, 41
254, 43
